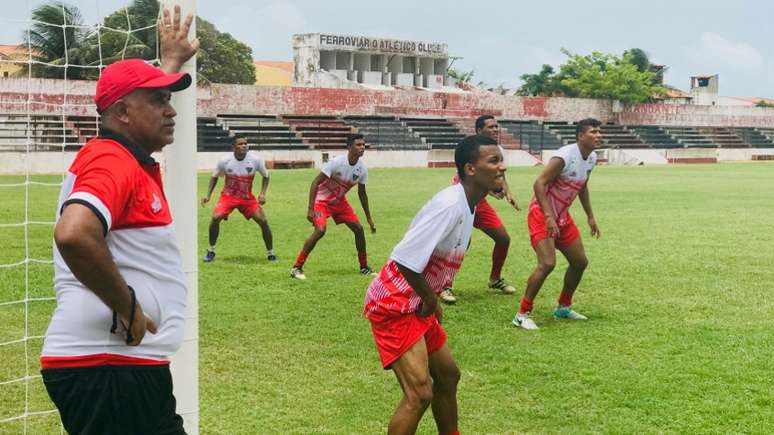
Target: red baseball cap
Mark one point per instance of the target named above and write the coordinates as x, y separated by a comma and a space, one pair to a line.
121, 78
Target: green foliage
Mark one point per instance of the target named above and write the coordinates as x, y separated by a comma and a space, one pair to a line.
461, 76
128, 33
51, 45
222, 59
596, 75
763, 103
542, 83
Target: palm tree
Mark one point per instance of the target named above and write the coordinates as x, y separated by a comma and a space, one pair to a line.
56, 38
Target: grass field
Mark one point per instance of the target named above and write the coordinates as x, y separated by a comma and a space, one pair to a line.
678, 293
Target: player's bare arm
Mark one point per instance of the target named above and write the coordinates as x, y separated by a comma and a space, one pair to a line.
418, 283
264, 188
320, 178
176, 49
585, 200
548, 176
361, 193
79, 237
210, 189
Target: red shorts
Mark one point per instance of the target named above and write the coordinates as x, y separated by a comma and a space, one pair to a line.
227, 204
486, 217
340, 212
536, 222
395, 336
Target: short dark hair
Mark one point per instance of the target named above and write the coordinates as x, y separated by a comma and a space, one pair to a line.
351, 138
585, 124
236, 137
467, 151
481, 121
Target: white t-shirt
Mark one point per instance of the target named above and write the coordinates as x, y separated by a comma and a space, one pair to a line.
341, 177
434, 246
562, 192
240, 174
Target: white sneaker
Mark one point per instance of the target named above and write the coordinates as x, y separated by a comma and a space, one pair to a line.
568, 313
297, 273
447, 296
522, 320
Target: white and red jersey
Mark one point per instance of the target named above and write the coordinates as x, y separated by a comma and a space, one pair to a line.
433, 246
240, 174
562, 192
341, 177
122, 185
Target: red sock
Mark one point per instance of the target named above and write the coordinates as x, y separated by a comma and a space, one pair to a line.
498, 260
456, 432
565, 299
301, 259
525, 306
362, 257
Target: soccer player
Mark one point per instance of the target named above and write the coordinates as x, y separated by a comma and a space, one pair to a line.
118, 275
239, 170
550, 225
328, 197
489, 222
401, 302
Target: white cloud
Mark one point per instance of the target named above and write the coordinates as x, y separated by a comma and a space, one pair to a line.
716, 51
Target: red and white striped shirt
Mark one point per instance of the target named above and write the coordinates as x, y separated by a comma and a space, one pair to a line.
341, 177
562, 192
434, 246
122, 185
240, 174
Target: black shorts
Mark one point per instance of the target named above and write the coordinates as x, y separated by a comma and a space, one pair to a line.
114, 399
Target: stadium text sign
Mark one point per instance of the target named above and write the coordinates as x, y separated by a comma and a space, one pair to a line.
418, 48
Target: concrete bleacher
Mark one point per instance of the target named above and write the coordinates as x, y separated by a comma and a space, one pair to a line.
261, 131
533, 136
21, 133
468, 127
319, 132
756, 137
211, 136
654, 136
723, 137
690, 137
437, 133
384, 132
619, 136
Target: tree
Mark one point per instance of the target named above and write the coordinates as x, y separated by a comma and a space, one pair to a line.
540, 84
128, 33
763, 103
222, 59
461, 76
639, 58
596, 75
53, 43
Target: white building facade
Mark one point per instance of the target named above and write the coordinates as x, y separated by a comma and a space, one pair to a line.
331, 60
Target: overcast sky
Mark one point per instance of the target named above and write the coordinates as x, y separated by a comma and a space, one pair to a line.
501, 40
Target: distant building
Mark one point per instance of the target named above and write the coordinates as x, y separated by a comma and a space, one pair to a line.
674, 95
273, 73
12, 58
743, 101
330, 60
704, 90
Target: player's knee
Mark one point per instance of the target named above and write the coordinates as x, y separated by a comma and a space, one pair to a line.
504, 239
356, 228
319, 232
420, 394
448, 379
546, 266
580, 263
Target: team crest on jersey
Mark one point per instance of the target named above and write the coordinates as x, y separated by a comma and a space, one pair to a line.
156, 204
249, 169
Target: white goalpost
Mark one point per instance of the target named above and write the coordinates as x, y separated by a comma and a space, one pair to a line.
39, 130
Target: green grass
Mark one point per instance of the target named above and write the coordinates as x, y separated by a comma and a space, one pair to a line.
678, 293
